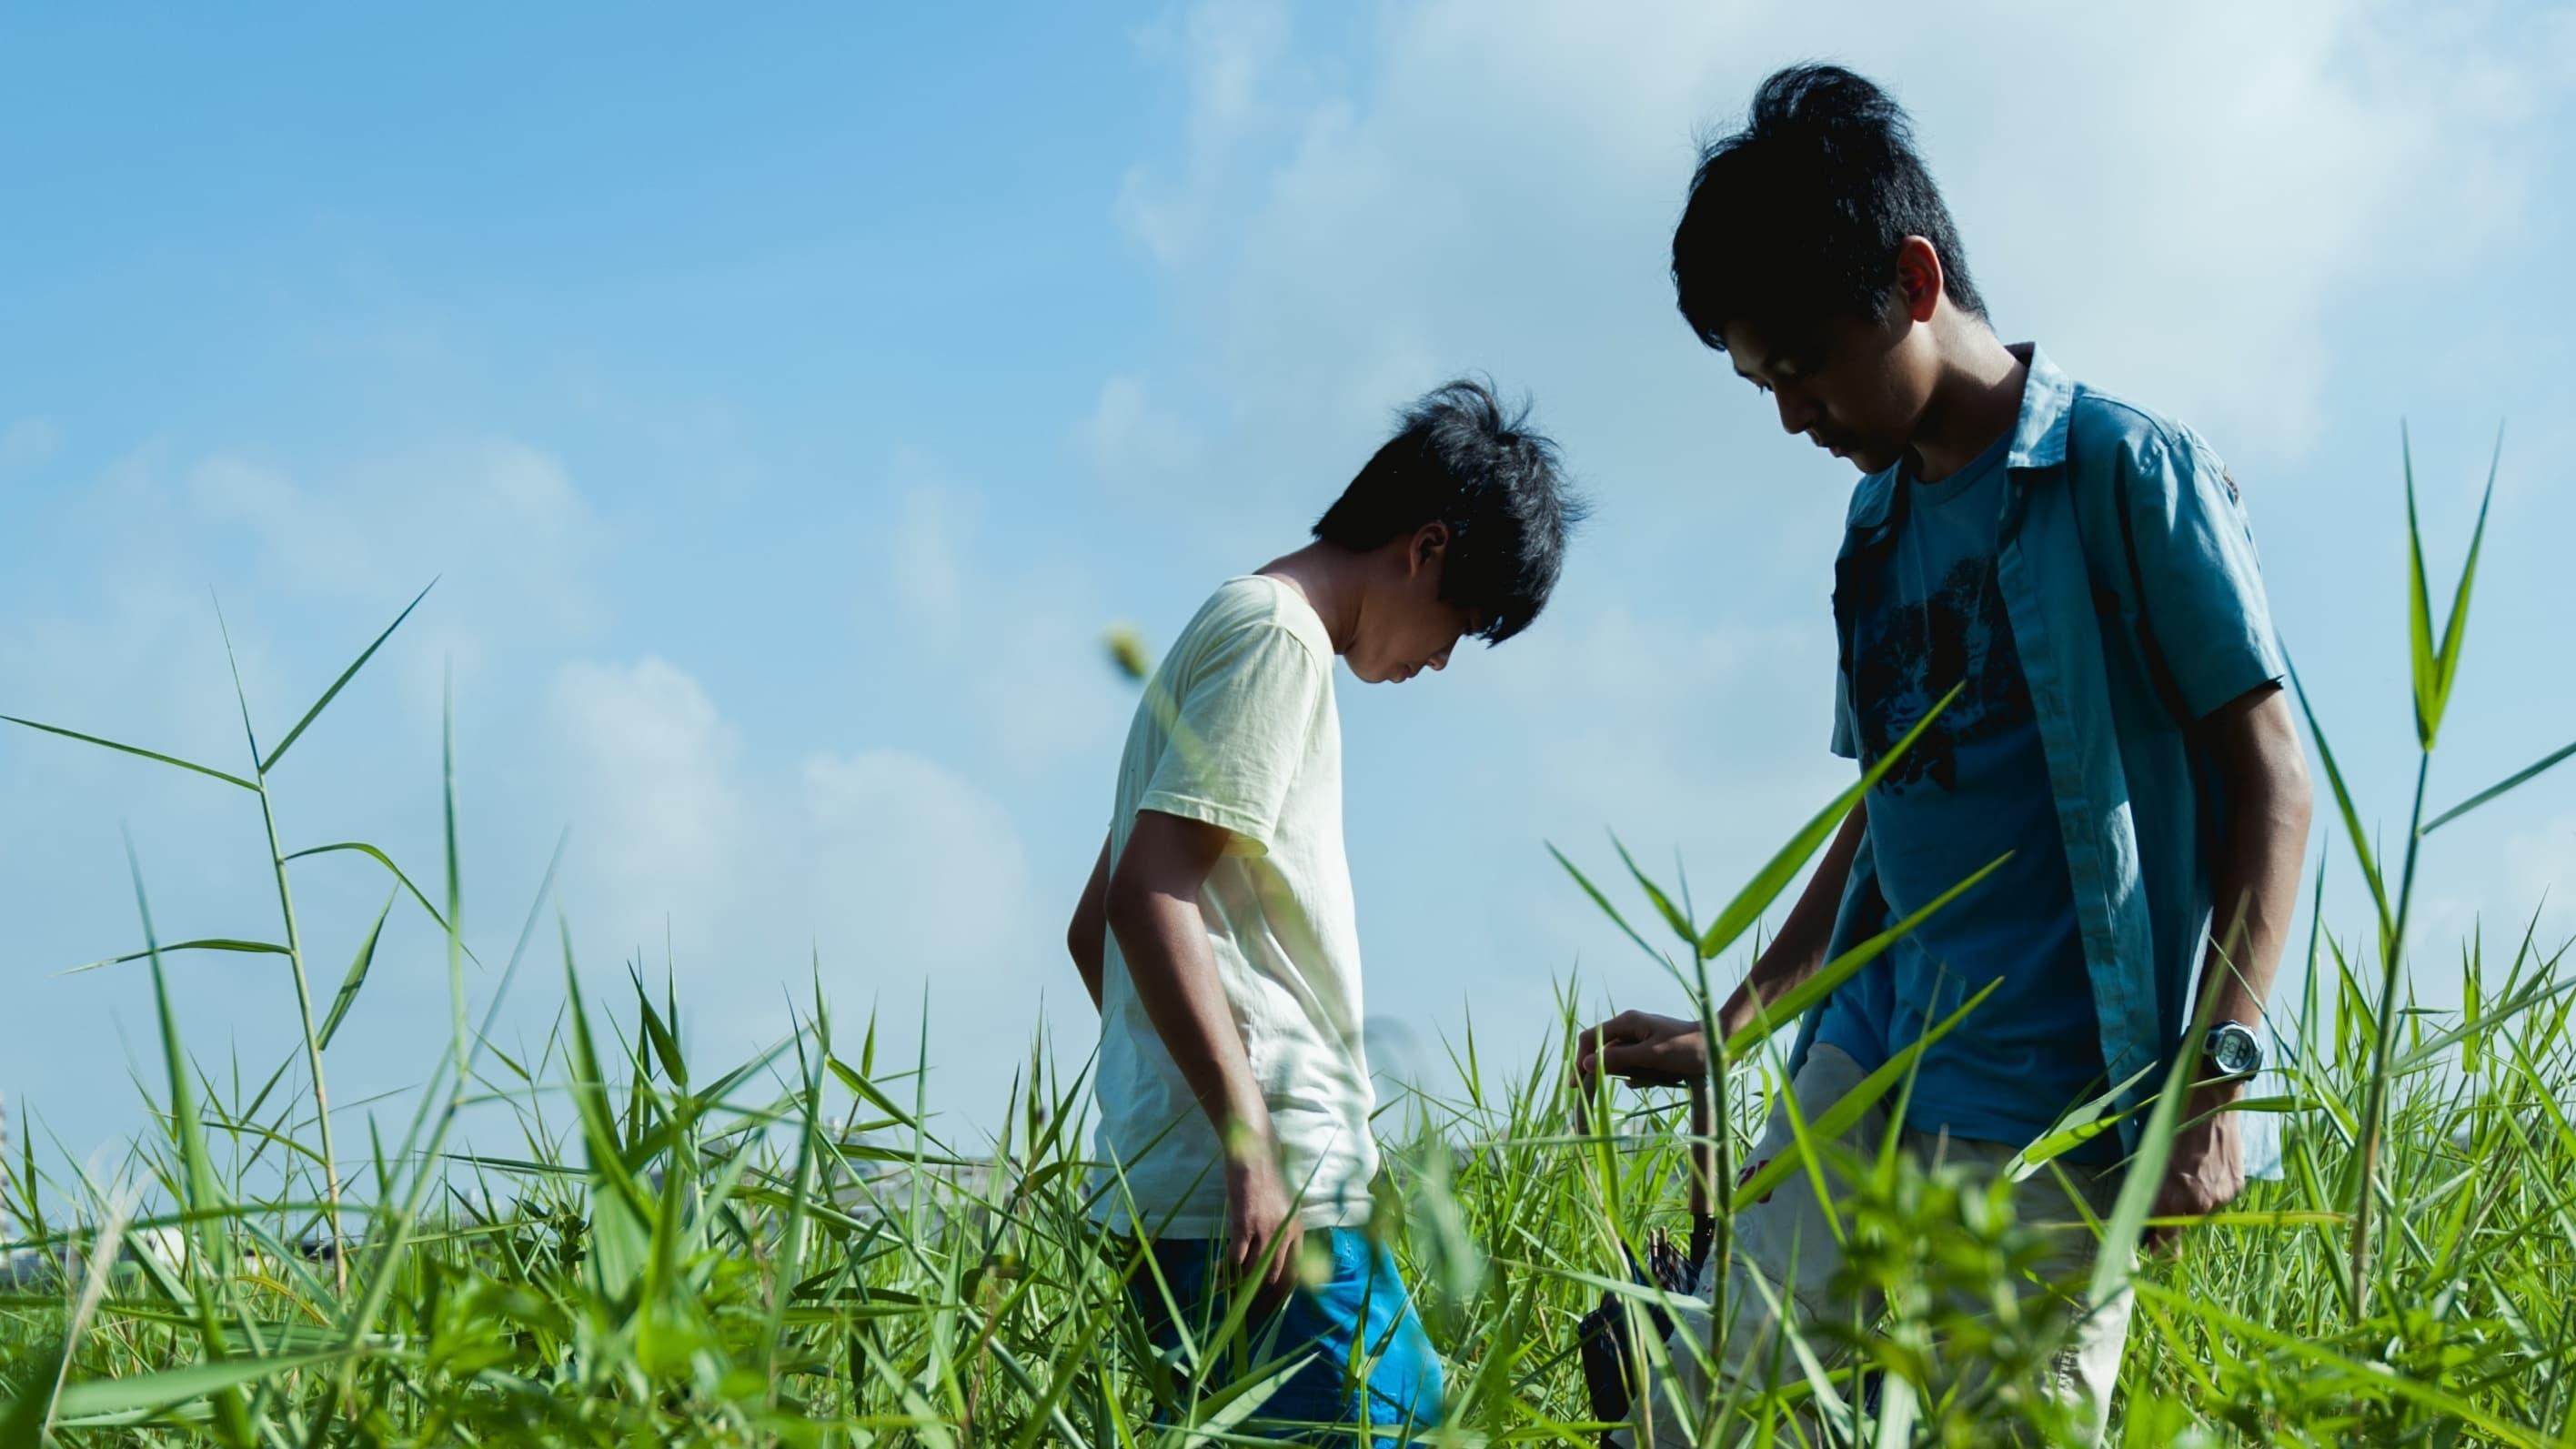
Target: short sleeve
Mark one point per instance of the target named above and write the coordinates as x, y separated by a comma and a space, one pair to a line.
1239, 733
2203, 587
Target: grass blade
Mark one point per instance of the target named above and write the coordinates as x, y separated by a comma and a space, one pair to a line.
2370, 873
1847, 1111
2514, 781
357, 976
1663, 903
2423, 659
210, 943
1603, 902
169, 1388
132, 750
200, 1194
340, 683
1790, 1003
1766, 885
2455, 629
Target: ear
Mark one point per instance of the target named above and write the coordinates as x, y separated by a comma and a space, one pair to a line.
1919, 278
1430, 541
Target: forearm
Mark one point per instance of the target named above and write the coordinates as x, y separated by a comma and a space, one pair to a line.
1163, 939
2254, 893
2254, 882
2254, 877
1799, 950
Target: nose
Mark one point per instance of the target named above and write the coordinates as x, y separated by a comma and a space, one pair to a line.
1796, 413
1440, 660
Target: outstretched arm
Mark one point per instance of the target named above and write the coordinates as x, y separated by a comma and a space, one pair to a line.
1647, 1049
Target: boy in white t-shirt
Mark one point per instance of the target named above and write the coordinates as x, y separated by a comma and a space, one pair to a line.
1217, 935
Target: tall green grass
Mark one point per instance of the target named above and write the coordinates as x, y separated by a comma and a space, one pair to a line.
784, 1249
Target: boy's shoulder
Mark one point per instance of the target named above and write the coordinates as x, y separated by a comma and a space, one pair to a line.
1250, 605
2104, 429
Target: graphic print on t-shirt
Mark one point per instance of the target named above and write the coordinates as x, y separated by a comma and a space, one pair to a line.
1912, 652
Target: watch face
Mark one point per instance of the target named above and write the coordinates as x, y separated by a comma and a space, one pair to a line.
2233, 1050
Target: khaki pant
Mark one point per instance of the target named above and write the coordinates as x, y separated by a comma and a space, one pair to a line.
1785, 1239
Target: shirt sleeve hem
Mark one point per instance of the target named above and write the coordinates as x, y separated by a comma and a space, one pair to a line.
2213, 689
1244, 825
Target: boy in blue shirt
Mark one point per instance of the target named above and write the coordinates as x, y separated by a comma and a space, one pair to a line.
2080, 569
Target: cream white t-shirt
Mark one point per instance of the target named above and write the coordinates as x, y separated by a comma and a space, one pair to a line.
1238, 729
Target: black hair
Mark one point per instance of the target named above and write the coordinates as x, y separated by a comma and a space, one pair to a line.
1459, 457
1798, 217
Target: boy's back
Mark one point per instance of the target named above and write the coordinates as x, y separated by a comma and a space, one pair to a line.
1238, 730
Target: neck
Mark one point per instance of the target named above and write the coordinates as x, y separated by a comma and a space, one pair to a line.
1331, 579
1977, 400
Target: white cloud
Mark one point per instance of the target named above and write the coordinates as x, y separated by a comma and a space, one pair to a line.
918, 869
498, 524
1014, 648
657, 807
888, 870
1232, 55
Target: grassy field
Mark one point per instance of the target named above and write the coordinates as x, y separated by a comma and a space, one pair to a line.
779, 1250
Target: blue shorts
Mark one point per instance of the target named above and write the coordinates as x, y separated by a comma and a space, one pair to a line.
1362, 1304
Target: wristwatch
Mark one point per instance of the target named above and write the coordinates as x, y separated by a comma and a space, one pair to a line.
2233, 1050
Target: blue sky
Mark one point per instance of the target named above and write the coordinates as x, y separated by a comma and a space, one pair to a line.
786, 402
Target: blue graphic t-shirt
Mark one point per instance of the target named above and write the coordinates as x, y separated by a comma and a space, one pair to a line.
1973, 788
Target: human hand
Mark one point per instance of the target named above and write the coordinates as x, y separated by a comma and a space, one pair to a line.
1643, 1050
1262, 1233
2206, 1170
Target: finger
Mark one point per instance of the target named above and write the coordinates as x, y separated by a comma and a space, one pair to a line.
1635, 1065
1283, 1266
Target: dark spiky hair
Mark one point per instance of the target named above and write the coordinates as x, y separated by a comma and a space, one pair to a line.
1461, 458
1798, 217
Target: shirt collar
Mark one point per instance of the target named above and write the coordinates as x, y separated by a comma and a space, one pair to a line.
2038, 438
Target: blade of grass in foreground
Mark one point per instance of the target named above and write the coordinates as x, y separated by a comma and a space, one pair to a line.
1774, 877
1789, 1004
211, 943
124, 1400
2511, 782
132, 750
200, 1193
2114, 1259
2370, 872
357, 977
340, 683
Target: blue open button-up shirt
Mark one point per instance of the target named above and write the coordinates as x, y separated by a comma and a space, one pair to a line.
2126, 638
